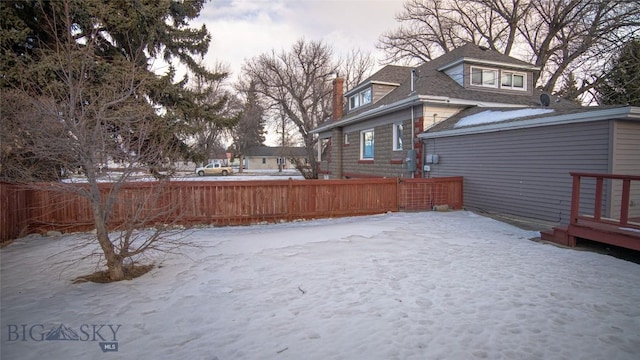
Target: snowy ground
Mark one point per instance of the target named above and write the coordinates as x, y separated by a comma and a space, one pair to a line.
395, 286
246, 175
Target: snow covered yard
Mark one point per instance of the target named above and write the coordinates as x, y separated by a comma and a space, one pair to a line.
395, 286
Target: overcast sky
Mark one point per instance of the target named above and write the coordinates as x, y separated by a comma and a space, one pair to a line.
242, 29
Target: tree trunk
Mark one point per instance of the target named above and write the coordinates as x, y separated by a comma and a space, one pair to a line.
115, 263
116, 268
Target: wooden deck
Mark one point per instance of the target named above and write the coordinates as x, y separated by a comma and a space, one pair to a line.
623, 231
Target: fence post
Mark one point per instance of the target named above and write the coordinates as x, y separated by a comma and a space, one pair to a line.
398, 194
290, 202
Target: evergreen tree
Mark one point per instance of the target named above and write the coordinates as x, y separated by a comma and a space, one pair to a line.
120, 34
621, 84
569, 90
250, 130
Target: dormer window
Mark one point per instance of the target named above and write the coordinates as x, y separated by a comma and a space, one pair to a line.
503, 79
360, 99
484, 77
512, 80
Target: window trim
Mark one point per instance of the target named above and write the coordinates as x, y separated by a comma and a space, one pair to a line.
354, 102
362, 96
513, 73
358, 99
395, 136
362, 144
346, 139
497, 81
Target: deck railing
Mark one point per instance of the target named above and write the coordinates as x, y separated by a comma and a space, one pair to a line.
620, 225
625, 198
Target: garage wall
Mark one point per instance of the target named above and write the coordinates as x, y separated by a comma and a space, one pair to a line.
525, 172
626, 161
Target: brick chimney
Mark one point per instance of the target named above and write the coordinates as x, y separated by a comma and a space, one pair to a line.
338, 99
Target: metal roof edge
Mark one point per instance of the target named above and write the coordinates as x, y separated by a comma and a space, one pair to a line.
357, 88
413, 100
464, 102
363, 85
596, 115
380, 110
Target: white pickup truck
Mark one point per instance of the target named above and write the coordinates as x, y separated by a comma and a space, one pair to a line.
214, 169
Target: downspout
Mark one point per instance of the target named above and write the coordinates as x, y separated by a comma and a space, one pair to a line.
413, 139
413, 121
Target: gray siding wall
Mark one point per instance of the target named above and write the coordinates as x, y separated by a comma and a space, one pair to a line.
386, 161
379, 91
626, 161
499, 89
524, 172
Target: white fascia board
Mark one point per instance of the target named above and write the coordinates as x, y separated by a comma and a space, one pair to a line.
490, 63
410, 101
357, 88
454, 101
364, 85
588, 116
380, 110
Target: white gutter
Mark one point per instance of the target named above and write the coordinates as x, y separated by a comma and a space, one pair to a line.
380, 110
454, 101
631, 112
410, 101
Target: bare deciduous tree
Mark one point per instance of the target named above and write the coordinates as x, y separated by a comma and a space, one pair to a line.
298, 83
560, 36
356, 67
80, 110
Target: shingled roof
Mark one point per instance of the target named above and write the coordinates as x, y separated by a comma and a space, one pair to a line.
456, 125
433, 84
390, 74
432, 81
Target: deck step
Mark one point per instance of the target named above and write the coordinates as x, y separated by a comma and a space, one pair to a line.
558, 235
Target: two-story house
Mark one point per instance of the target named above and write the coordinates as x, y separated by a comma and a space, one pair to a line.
374, 132
474, 112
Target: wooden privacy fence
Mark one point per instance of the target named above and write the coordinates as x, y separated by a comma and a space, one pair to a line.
44, 207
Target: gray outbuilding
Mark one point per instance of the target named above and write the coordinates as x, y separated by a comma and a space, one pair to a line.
518, 163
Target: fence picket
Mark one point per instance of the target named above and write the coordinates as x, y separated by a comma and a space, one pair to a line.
43, 207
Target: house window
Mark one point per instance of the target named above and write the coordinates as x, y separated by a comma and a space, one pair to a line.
513, 80
354, 102
366, 139
365, 97
323, 149
484, 77
360, 99
346, 139
264, 160
397, 136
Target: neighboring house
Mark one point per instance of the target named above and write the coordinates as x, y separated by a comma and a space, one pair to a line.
375, 133
271, 158
518, 162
